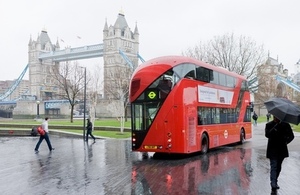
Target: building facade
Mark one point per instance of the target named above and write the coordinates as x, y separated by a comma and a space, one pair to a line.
268, 85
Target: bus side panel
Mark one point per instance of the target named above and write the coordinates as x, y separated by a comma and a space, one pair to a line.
174, 129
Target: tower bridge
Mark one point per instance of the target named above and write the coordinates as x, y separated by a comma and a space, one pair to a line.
78, 53
120, 48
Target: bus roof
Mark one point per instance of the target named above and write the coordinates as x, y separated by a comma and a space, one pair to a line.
172, 61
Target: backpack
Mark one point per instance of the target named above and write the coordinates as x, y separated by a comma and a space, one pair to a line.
40, 130
254, 117
34, 131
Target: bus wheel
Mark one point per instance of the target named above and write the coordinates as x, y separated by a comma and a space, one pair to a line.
242, 136
204, 144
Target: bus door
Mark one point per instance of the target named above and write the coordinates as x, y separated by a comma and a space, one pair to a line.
143, 115
191, 128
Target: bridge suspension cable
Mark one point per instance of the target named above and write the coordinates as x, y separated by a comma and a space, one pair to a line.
14, 86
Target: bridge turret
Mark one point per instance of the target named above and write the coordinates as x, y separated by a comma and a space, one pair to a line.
30, 42
105, 30
38, 43
57, 46
136, 34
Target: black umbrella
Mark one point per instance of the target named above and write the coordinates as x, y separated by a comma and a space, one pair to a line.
284, 109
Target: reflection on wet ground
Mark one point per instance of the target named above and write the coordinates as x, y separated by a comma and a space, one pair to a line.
222, 170
109, 167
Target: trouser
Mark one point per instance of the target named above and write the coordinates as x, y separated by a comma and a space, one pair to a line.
42, 137
89, 132
275, 164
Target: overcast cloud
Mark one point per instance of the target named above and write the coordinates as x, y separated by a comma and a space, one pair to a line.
165, 27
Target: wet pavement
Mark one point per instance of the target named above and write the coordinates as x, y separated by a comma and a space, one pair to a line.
109, 167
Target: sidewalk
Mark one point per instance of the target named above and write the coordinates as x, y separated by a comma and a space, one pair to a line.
108, 167
74, 167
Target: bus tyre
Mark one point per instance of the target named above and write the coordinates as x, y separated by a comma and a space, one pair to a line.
242, 136
204, 144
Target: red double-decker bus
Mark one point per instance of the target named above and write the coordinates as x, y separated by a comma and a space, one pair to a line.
182, 105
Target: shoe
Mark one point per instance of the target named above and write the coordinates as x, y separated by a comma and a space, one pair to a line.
36, 151
52, 149
277, 187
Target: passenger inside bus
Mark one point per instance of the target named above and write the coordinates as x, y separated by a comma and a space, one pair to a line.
200, 122
164, 87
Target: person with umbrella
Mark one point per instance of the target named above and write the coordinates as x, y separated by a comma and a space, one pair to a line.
279, 134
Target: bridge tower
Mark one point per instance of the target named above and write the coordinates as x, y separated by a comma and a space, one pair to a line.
40, 82
117, 39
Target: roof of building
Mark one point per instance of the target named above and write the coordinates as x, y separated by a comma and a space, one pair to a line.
44, 38
121, 22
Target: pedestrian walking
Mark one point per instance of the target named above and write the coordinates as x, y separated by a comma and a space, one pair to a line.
254, 117
89, 128
45, 136
279, 134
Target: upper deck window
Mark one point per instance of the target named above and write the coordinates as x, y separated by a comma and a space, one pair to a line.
200, 73
185, 70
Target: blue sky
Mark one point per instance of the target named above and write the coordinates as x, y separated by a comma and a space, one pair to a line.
165, 27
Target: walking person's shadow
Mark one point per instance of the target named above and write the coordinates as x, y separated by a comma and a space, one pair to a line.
89, 149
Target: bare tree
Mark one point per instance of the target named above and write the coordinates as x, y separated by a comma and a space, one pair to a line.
94, 91
70, 80
238, 54
118, 89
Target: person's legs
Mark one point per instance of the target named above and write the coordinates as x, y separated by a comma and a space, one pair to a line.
279, 163
273, 173
48, 141
89, 133
39, 143
92, 136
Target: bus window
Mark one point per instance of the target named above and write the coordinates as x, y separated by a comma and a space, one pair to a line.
200, 122
230, 81
216, 115
165, 87
244, 86
222, 79
137, 121
185, 70
247, 117
143, 115
215, 78
190, 75
203, 74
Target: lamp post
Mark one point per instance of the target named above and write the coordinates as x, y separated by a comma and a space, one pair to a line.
84, 105
38, 109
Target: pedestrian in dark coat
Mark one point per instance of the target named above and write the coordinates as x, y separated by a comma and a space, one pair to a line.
255, 117
279, 134
89, 128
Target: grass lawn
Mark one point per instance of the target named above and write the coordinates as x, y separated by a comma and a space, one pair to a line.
262, 119
79, 122
109, 134
76, 122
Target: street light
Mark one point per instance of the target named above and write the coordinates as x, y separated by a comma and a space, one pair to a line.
38, 109
84, 105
